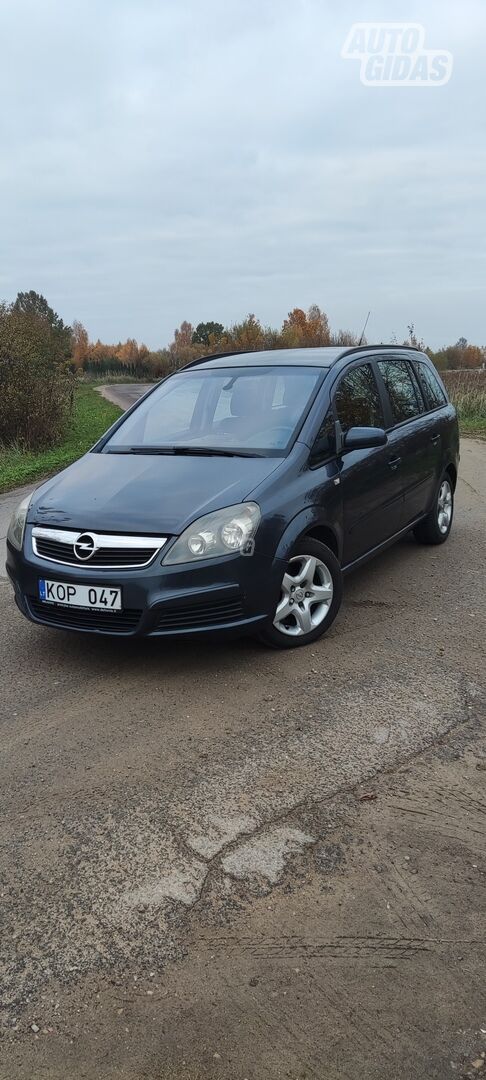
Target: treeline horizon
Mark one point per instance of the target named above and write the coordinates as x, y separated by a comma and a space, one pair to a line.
42, 360
301, 329
35, 321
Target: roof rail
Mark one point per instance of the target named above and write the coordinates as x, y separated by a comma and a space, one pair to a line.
254, 352
382, 345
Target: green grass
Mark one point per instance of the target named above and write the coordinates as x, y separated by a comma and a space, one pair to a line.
91, 379
474, 428
92, 415
467, 389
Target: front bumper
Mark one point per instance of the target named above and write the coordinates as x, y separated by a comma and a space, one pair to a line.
232, 594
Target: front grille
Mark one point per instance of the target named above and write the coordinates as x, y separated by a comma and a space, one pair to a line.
191, 616
110, 552
52, 549
116, 622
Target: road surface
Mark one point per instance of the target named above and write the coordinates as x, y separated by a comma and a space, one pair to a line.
222, 861
124, 394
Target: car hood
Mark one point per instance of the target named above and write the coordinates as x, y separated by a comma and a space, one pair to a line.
155, 494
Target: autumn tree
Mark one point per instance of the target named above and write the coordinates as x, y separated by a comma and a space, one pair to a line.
467, 356
318, 324
181, 349
472, 357
127, 353
80, 345
293, 329
460, 355
305, 329
247, 336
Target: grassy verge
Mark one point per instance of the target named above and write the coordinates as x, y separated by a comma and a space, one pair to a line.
472, 428
90, 379
467, 389
92, 415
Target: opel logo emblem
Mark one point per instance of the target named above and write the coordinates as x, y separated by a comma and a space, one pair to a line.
84, 546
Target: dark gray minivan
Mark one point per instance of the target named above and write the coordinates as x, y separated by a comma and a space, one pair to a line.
236, 493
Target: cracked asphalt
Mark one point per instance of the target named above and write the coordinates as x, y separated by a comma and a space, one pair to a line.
220, 861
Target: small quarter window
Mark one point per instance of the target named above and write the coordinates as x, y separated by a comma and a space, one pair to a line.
324, 445
433, 392
401, 388
358, 401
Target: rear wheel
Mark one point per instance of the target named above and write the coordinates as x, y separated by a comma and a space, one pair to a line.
310, 597
435, 528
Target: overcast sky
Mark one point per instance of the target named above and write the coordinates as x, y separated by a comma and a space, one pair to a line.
201, 159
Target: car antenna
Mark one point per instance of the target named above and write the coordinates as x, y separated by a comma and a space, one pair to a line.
364, 328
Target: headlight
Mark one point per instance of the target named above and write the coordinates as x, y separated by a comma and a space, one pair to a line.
221, 533
16, 529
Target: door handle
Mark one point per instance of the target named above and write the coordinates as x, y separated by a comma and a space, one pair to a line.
394, 462
435, 439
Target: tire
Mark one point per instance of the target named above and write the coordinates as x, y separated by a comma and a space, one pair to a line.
435, 528
311, 564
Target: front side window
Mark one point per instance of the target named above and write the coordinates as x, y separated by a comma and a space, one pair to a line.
401, 388
249, 408
358, 402
433, 392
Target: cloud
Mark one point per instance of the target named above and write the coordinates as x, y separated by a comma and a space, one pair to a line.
167, 160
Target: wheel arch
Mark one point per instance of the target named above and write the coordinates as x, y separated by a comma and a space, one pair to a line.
309, 523
326, 535
452, 471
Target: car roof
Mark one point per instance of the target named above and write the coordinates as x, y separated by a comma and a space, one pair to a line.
324, 356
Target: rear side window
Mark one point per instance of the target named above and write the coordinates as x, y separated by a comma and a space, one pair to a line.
432, 390
358, 402
401, 388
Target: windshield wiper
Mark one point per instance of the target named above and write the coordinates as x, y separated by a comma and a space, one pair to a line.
202, 451
214, 451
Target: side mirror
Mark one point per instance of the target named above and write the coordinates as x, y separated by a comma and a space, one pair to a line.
364, 438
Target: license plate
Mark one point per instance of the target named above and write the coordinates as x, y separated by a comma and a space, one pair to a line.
96, 597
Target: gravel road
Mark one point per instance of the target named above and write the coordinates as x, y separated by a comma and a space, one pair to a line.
219, 861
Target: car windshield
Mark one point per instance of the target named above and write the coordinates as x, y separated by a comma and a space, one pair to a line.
223, 410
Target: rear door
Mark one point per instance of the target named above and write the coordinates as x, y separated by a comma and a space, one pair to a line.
443, 430
413, 436
371, 502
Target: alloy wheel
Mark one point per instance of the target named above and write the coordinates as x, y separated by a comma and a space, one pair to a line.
444, 507
306, 596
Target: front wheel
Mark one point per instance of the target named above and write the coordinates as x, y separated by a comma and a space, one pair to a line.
310, 597
435, 528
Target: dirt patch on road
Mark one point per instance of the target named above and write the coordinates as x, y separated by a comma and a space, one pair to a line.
359, 951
